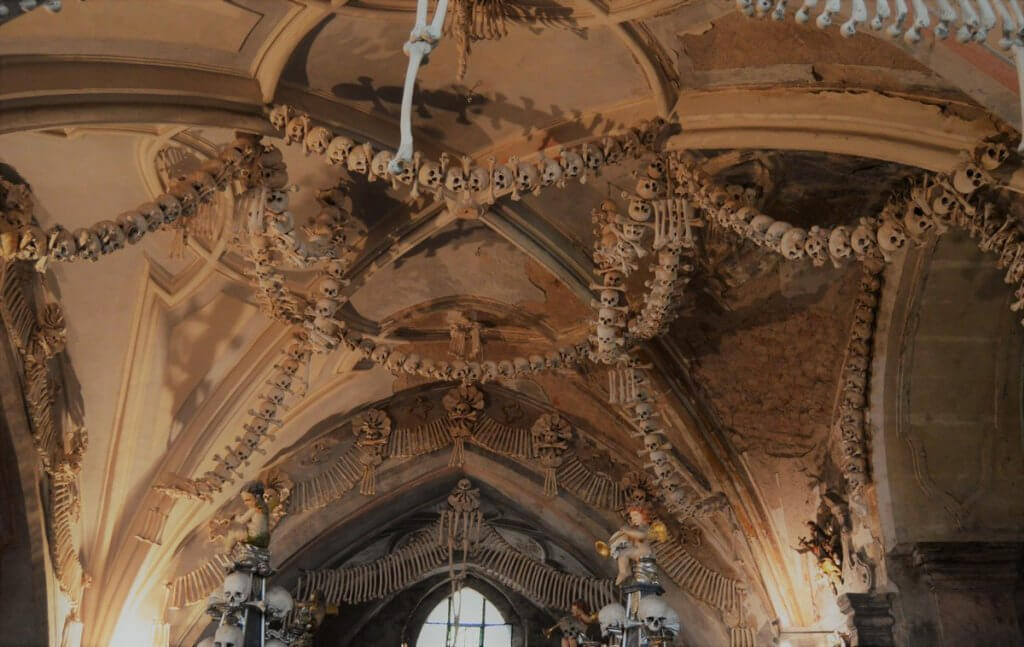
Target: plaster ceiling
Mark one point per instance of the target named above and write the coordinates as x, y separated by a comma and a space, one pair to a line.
168, 348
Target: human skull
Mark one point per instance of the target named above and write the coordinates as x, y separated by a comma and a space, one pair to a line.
479, 179
815, 247
759, 227
741, 219
380, 355
455, 179
277, 200
891, 237
862, 240
609, 298
31, 243
187, 197
792, 244
395, 362
916, 221
839, 244
279, 116
773, 237
551, 172
88, 244
60, 244
326, 308
236, 588
202, 183
153, 214
968, 178
317, 140
608, 317
379, 164
502, 178
614, 279
612, 618
430, 175
654, 442
279, 601
527, 177
170, 206
649, 188
506, 369
613, 153
228, 635
133, 224
339, 149
593, 158
653, 610
295, 131
489, 370
328, 287
640, 210
572, 163
110, 235
993, 155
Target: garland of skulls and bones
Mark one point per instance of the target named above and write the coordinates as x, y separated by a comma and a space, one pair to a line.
674, 199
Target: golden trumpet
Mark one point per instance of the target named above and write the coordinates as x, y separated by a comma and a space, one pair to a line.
658, 531
550, 630
602, 549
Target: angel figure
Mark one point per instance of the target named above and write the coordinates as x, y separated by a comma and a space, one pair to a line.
574, 626
631, 542
251, 527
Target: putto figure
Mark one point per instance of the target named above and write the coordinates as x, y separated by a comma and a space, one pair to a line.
632, 542
251, 526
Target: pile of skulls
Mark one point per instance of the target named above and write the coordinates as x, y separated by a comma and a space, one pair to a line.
466, 182
245, 597
23, 240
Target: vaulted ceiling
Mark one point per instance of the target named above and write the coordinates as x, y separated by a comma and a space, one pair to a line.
168, 348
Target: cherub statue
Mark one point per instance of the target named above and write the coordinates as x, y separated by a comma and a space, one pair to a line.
826, 545
251, 527
631, 542
574, 626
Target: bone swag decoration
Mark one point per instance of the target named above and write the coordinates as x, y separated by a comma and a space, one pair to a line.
969, 21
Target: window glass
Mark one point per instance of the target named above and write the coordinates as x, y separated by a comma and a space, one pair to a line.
465, 619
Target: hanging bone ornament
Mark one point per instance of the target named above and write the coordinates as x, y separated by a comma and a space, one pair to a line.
422, 40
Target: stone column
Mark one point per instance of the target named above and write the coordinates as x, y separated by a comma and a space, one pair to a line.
975, 590
869, 619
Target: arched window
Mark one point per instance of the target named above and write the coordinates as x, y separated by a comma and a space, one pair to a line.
466, 619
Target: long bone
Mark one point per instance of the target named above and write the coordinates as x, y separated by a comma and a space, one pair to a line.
422, 40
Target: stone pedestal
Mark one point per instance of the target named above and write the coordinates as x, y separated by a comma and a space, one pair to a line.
869, 619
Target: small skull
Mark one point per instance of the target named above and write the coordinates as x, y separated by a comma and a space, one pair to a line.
88, 244
170, 206
359, 159
891, 237
551, 173
60, 244
792, 244
502, 177
656, 169
479, 179
338, 150
593, 158
759, 228
133, 224
228, 635
649, 188
455, 179
279, 116
295, 132
572, 163
916, 221
816, 245
379, 164
862, 240
640, 210
326, 308
773, 237
993, 156
430, 175
153, 214
317, 140
609, 298
236, 589
329, 288
968, 178
277, 200
527, 177
839, 246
